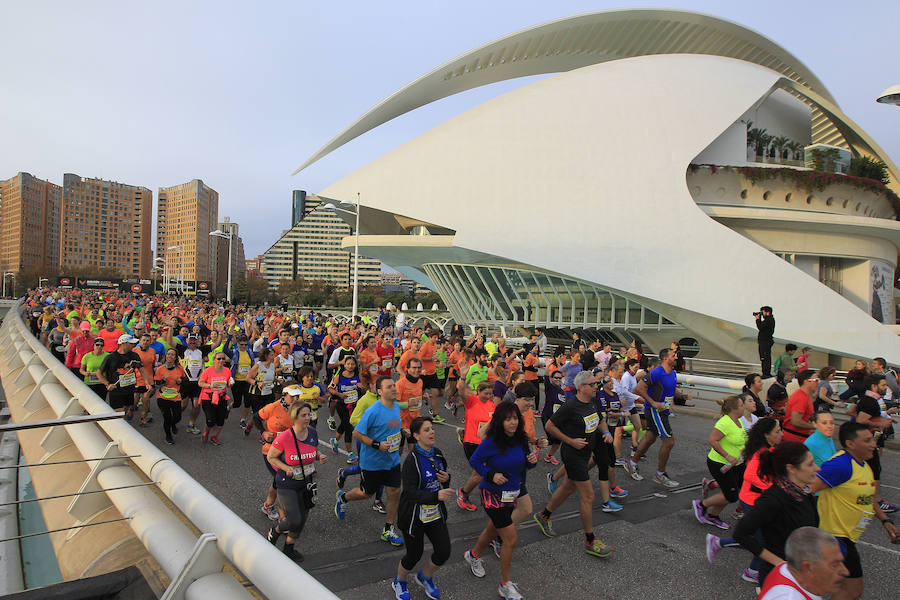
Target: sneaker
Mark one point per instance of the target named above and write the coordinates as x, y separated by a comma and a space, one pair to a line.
459, 435
610, 507
352, 458
273, 535
632, 470
620, 462
717, 522
750, 575
428, 584
389, 536
148, 418
449, 405
169, 439
334, 445
618, 492
552, 486
270, 510
738, 513
215, 441
706, 486
496, 545
508, 591
663, 479
193, 429
401, 592
476, 564
713, 546
341, 479
339, 505
438, 419
293, 554
205, 437
888, 507
243, 423
144, 423
546, 525
248, 427
332, 424
129, 415
597, 548
378, 506
549, 458
699, 512
462, 501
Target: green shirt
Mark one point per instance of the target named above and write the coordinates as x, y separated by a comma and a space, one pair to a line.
476, 375
491, 348
733, 442
91, 363
367, 400
785, 360
441, 358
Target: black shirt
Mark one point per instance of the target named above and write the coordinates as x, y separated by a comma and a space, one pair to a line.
116, 366
578, 419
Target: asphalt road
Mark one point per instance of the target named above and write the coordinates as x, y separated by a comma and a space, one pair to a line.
659, 546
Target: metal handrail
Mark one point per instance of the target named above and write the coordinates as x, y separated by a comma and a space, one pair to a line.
165, 536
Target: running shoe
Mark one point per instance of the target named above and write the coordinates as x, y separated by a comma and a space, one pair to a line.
888, 507
438, 419
496, 545
339, 505
401, 592
632, 470
462, 501
750, 575
270, 510
341, 479
610, 507
738, 513
193, 429
508, 591
549, 458
620, 462
205, 437
449, 405
334, 445
597, 548
129, 415
546, 525
391, 537
248, 427
215, 441
169, 439
243, 423
273, 535
663, 479
706, 486
292, 554
378, 506
618, 492
552, 486
352, 458
476, 564
459, 435
699, 512
144, 423
713, 546
427, 584
332, 424
717, 522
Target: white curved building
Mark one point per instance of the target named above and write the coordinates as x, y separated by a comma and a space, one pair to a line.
621, 194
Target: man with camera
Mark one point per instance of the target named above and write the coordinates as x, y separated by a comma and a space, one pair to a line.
765, 323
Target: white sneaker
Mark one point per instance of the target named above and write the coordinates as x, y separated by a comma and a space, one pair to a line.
476, 564
632, 470
664, 480
509, 591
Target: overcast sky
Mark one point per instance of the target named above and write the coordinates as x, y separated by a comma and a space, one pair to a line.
240, 94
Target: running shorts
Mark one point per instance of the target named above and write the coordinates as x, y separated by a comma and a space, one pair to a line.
430, 382
851, 558
119, 400
730, 481
469, 448
371, 481
141, 389
499, 512
658, 424
576, 463
604, 458
240, 392
190, 389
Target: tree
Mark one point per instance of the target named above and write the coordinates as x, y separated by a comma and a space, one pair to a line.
756, 138
796, 148
823, 159
870, 168
779, 143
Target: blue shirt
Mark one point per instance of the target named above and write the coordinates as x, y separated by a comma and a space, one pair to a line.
510, 461
661, 387
569, 371
160, 349
379, 422
822, 447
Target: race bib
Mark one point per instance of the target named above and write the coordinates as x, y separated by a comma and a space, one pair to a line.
313, 415
92, 378
242, 370
218, 385
127, 379
304, 471
590, 423
168, 392
415, 403
195, 364
507, 496
864, 521
373, 368
556, 407
667, 402
266, 388
318, 354
394, 441
351, 396
386, 363
429, 513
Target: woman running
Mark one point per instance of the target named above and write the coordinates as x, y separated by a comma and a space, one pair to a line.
275, 418
168, 377
724, 462
821, 443
310, 392
500, 459
422, 511
293, 454
262, 374
344, 389
90, 366
215, 383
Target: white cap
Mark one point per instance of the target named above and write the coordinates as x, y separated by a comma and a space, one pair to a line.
127, 339
292, 390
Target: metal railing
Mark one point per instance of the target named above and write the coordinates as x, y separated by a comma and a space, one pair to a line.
116, 450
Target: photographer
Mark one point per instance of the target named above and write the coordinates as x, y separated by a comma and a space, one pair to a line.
765, 323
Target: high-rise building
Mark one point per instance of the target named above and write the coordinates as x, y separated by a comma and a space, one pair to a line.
255, 265
29, 224
238, 263
185, 215
311, 250
298, 206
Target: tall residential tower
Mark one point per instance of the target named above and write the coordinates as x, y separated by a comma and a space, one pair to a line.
186, 214
29, 224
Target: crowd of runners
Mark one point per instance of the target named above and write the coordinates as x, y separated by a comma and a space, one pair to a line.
376, 388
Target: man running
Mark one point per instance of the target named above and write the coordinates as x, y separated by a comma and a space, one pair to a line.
118, 372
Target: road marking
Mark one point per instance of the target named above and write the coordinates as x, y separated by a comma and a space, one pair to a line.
890, 486
877, 547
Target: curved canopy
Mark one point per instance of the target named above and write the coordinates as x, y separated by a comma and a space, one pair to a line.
579, 41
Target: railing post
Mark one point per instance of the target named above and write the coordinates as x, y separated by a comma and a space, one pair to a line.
85, 506
204, 560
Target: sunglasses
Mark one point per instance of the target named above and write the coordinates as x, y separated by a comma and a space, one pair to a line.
220, 359
98, 344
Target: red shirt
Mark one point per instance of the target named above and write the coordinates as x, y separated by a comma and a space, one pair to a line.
799, 402
110, 339
78, 347
385, 360
477, 412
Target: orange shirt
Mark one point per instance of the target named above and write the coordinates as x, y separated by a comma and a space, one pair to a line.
369, 361
276, 420
477, 413
528, 424
411, 393
426, 354
148, 359
453, 360
404, 359
531, 362
170, 390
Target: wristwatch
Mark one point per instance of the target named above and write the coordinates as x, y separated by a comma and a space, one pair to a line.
376, 445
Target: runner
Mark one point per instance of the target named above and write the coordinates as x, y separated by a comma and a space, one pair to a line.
872, 411
215, 384
409, 397
242, 360
430, 383
275, 418
168, 378
820, 443
554, 398
624, 383
344, 391
118, 372
262, 390
79, 346
90, 365
479, 410
192, 358
813, 568
799, 408
144, 389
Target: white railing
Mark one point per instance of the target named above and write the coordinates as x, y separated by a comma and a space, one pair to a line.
193, 564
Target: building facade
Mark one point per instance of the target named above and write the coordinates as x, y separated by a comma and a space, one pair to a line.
238, 262
254, 266
312, 250
29, 224
186, 214
105, 225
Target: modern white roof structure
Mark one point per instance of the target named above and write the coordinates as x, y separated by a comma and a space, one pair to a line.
570, 202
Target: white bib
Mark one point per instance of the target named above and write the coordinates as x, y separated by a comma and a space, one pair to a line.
127, 379
429, 513
590, 423
507, 496
394, 441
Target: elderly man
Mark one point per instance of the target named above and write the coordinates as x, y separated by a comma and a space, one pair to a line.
814, 567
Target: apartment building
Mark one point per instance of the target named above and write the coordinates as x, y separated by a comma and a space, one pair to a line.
186, 214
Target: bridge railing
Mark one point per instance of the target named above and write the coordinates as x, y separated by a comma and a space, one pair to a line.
193, 563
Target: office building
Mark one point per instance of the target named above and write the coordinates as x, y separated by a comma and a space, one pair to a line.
238, 262
186, 214
105, 225
312, 250
29, 224
254, 266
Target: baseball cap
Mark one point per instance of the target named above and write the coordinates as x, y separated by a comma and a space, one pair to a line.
127, 339
193, 336
292, 390
85, 326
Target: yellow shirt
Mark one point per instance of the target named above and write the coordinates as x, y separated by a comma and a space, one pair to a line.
845, 506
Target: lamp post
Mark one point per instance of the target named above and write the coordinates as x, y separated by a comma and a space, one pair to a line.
890, 96
230, 236
355, 253
41, 279
169, 274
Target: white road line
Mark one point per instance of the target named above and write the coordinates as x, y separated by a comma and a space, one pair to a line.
877, 547
890, 486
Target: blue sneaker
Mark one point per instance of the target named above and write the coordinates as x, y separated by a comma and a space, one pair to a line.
618, 492
339, 505
428, 583
610, 507
334, 445
391, 538
352, 458
400, 590
552, 486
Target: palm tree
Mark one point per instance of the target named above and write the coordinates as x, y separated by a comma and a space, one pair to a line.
754, 139
779, 143
764, 140
795, 148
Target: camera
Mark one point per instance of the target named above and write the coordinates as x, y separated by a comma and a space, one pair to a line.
757, 314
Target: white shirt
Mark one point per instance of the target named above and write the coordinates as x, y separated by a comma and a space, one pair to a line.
748, 423
625, 390
786, 592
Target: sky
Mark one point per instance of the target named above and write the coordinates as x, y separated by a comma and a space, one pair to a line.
239, 94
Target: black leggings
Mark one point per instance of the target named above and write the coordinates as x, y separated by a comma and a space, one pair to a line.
295, 513
439, 537
345, 427
171, 413
215, 413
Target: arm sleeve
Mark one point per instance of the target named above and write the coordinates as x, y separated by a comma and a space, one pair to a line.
836, 471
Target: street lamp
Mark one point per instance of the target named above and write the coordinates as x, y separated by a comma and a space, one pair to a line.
170, 249
5, 275
331, 206
890, 96
230, 236
40, 279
